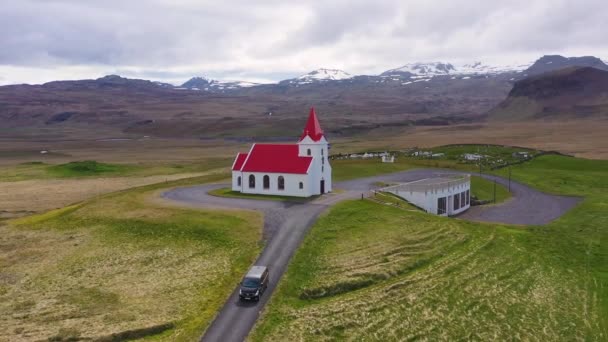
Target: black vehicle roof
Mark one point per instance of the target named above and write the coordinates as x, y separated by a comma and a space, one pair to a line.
256, 272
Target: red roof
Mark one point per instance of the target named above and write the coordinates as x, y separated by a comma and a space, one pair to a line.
313, 128
275, 158
238, 162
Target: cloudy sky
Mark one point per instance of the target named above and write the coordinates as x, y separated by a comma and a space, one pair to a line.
172, 40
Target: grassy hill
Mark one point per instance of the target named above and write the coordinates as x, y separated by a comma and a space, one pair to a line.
122, 264
372, 272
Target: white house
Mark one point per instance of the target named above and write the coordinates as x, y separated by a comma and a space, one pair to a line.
300, 169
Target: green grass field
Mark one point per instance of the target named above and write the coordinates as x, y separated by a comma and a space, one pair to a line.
346, 169
93, 169
119, 263
483, 189
368, 271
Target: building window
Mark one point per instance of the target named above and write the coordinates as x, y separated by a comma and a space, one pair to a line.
238, 181
468, 197
322, 168
308, 152
441, 206
322, 151
456, 201
251, 181
462, 200
281, 183
301, 185
322, 160
266, 182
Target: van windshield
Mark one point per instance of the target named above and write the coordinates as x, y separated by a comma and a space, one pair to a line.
251, 282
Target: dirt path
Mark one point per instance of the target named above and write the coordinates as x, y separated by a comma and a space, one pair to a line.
286, 224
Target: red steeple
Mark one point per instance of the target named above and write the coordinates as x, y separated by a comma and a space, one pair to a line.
313, 128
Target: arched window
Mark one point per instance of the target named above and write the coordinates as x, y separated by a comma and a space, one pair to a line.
308, 152
301, 185
281, 183
266, 182
238, 181
251, 181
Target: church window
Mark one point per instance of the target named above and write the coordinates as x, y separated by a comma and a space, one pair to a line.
251, 181
322, 151
308, 152
301, 185
238, 181
281, 183
266, 182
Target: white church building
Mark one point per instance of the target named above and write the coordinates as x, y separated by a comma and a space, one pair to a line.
300, 169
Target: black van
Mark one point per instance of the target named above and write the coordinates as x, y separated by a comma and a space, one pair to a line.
254, 283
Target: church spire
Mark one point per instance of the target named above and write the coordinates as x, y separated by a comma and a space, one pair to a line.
313, 128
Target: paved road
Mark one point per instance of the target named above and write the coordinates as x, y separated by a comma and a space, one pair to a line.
286, 224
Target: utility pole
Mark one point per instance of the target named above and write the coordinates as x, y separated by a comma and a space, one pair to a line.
495, 191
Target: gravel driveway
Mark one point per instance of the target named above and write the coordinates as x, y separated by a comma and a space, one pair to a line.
286, 224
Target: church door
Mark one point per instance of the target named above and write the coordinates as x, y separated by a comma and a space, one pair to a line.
322, 186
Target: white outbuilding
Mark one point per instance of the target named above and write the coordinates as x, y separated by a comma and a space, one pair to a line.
300, 170
444, 196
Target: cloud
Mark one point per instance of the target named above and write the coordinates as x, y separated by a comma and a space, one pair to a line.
171, 40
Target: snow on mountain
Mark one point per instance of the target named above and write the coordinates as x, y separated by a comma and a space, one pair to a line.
203, 83
321, 75
442, 69
422, 69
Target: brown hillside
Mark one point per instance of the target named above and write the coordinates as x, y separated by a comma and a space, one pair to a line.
576, 92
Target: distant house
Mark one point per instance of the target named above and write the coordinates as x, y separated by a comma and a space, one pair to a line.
300, 169
472, 156
521, 154
437, 155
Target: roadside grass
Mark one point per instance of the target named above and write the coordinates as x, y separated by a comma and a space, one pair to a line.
122, 263
227, 192
483, 189
368, 271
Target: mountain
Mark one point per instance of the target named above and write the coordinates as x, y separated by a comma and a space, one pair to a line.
432, 69
106, 82
416, 94
555, 62
202, 83
573, 92
319, 76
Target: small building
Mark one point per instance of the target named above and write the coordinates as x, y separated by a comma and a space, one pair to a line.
388, 159
444, 196
301, 169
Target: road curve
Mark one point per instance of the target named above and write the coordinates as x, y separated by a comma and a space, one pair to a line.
286, 224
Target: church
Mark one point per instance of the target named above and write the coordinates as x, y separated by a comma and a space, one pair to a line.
300, 170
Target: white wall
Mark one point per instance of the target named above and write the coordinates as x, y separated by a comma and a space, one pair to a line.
291, 184
320, 168
235, 184
428, 200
